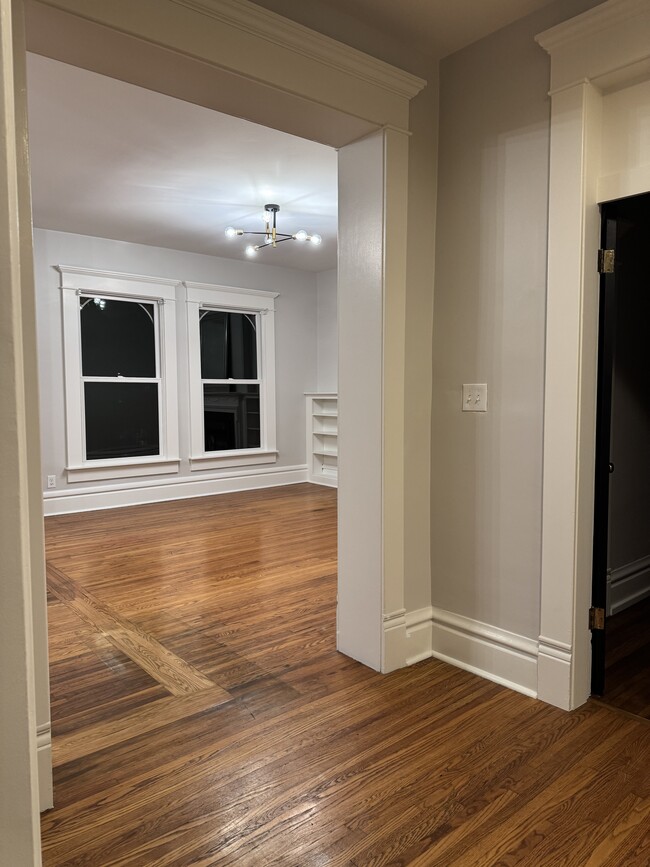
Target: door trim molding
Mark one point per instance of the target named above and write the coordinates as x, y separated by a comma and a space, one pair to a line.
265, 24
603, 49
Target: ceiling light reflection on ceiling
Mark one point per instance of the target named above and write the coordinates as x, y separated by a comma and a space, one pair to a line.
270, 236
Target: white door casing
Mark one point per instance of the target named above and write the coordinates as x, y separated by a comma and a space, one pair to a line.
593, 56
20, 542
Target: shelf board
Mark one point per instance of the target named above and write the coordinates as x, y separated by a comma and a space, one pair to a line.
325, 433
325, 414
323, 454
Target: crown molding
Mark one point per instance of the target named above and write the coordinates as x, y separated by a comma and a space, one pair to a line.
593, 21
287, 34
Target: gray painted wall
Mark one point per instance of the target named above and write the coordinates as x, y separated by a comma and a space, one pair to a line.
296, 332
489, 318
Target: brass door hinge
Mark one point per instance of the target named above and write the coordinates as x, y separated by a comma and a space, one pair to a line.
606, 261
596, 618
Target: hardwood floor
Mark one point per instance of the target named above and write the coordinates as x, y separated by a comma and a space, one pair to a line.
202, 715
627, 663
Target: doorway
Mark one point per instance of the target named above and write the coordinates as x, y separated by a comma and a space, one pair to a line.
621, 575
72, 597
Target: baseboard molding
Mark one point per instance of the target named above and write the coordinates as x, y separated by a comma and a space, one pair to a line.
323, 480
627, 585
419, 635
490, 652
394, 625
554, 682
114, 496
44, 766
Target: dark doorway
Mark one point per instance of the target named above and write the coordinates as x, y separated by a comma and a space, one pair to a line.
621, 578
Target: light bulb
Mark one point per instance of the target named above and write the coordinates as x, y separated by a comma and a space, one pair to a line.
301, 235
250, 250
266, 216
231, 232
268, 239
316, 239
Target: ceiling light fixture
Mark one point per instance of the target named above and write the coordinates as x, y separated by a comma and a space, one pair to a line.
271, 236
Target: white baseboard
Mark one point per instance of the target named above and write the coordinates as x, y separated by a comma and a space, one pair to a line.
491, 652
627, 585
419, 635
554, 672
394, 626
44, 765
114, 496
323, 480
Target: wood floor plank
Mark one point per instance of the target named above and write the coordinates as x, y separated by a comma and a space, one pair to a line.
277, 750
144, 720
627, 669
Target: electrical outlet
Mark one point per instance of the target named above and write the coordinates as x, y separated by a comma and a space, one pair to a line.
51, 481
474, 397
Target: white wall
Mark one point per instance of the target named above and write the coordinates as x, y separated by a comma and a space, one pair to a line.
327, 331
625, 160
295, 322
489, 319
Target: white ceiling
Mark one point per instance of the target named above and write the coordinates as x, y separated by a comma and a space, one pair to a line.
117, 161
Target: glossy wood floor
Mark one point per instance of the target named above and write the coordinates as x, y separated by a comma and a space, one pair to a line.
202, 715
627, 665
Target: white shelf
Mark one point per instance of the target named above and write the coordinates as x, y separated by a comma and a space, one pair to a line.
322, 433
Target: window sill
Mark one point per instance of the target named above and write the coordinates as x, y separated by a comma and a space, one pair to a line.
102, 470
246, 458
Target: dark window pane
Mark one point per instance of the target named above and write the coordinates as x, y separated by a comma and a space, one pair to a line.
231, 415
121, 420
117, 338
228, 345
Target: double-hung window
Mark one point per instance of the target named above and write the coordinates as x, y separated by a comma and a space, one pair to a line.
232, 376
120, 375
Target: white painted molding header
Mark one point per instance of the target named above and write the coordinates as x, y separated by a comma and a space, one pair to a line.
274, 28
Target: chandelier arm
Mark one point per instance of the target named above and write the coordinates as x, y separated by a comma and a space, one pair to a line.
270, 234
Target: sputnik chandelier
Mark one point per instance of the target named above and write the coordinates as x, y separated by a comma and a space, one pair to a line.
270, 236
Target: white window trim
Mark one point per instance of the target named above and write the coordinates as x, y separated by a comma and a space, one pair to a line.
249, 300
74, 281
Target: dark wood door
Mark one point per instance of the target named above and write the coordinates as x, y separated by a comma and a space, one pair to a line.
625, 229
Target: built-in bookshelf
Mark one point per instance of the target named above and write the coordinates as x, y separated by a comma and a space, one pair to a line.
322, 436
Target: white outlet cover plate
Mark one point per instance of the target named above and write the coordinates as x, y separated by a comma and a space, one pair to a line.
474, 397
